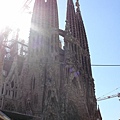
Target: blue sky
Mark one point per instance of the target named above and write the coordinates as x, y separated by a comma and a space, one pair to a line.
102, 23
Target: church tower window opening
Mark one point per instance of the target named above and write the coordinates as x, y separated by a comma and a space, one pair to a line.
2, 89
61, 42
33, 83
12, 84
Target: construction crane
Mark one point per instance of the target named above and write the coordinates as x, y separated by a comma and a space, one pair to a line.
107, 97
26, 6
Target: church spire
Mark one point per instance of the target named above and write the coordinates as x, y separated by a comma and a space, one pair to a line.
45, 14
44, 24
38, 14
77, 5
52, 12
71, 17
80, 27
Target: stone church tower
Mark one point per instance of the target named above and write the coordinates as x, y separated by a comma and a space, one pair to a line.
56, 83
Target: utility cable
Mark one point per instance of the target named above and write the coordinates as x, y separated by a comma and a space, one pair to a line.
101, 65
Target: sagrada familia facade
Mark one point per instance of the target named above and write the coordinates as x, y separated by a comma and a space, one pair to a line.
48, 81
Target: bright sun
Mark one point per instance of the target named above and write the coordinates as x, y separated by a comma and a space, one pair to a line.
11, 15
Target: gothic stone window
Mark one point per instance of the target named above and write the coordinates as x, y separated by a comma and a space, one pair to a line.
12, 84
2, 89
33, 82
74, 81
35, 99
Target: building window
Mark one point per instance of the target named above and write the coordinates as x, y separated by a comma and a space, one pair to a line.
55, 57
75, 48
51, 48
6, 92
83, 62
33, 83
74, 81
15, 94
37, 51
9, 92
12, 84
36, 99
67, 72
49, 94
86, 65
72, 47
2, 89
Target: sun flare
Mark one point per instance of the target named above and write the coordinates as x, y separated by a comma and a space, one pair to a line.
11, 15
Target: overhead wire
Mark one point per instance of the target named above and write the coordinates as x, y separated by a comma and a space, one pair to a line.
103, 65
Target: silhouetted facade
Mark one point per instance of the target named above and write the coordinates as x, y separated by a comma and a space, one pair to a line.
50, 82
